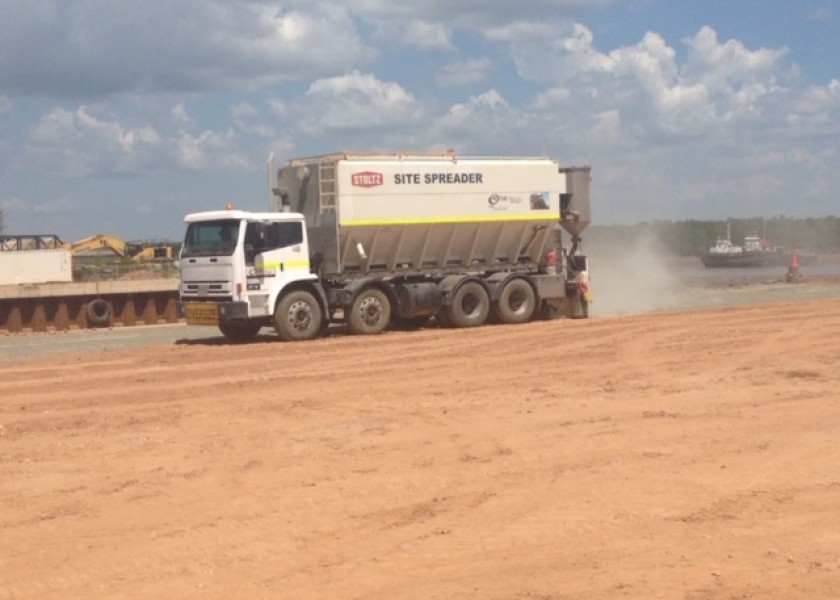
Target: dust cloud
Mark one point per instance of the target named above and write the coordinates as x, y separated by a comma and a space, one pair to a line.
631, 277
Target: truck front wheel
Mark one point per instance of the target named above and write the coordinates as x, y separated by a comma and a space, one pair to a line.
369, 313
298, 317
470, 305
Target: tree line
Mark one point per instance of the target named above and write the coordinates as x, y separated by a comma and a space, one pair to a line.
691, 237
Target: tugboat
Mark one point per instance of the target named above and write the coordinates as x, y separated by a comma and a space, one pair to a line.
726, 254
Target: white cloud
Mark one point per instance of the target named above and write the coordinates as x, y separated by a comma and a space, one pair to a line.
486, 124
356, 102
248, 119
183, 120
659, 100
244, 110
82, 49
464, 72
208, 150
816, 111
278, 108
677, 106
428, 36
552, 99
489, 103
651, 61
724, 67
90, 141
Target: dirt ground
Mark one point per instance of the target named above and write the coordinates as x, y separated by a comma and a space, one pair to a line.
689, 455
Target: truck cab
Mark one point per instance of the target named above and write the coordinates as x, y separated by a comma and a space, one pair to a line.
234, 264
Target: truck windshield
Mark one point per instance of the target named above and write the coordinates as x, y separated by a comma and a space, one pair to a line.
211, 238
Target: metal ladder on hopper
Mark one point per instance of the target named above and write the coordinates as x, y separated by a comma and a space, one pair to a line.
326, 187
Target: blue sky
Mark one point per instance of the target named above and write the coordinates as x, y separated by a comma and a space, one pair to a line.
121, 117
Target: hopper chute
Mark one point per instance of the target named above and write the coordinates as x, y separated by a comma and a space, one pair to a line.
574, 204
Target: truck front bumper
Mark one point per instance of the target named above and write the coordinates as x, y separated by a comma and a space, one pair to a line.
211, 313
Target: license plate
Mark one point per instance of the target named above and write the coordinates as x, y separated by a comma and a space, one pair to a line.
200, 313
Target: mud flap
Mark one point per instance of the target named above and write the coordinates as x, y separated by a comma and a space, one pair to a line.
578, 307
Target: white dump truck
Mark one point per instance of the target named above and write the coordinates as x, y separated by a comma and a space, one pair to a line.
392, 240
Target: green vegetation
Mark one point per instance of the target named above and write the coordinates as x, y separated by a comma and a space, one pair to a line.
689, 238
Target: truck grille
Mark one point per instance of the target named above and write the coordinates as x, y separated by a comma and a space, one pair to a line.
206, 289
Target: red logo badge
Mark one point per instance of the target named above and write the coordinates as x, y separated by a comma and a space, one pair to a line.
367, 179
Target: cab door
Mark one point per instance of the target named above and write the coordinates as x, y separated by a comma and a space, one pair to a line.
276, 251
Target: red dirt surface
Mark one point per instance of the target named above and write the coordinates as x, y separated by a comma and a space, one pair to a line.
687, 455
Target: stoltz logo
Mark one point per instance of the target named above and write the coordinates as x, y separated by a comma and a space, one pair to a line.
367, 179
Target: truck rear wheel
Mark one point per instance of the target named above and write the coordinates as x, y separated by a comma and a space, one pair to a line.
517, 302
470, 305
370, 312
298, 317
240, 332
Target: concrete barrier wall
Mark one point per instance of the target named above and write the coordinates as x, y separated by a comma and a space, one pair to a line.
62, 307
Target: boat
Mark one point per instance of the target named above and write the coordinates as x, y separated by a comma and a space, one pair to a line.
726, 254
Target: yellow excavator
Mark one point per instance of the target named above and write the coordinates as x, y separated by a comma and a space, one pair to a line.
102, 244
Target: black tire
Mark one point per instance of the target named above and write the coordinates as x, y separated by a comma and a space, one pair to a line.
240, 332
517, 302
370, 312
298, 317
98, 313
470, 305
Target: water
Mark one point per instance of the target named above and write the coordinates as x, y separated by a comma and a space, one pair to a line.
691, 270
